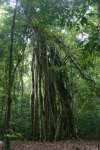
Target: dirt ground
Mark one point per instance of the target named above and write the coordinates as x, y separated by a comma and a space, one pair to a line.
63, 145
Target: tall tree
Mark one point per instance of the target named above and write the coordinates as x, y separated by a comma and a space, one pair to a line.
10, 81
51, 99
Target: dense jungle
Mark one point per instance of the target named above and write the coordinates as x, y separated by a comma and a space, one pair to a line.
50, 74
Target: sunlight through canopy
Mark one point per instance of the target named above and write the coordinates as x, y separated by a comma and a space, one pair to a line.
12, 3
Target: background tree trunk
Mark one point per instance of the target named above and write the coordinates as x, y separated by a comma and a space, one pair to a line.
10, 82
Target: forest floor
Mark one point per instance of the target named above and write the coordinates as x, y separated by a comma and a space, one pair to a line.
63, 145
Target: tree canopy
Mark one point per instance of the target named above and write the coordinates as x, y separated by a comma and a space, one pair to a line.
49, 69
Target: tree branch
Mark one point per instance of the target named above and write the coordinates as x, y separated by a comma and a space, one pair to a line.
73, 59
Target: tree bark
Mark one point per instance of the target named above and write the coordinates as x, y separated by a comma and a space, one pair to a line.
9, 88
52, 116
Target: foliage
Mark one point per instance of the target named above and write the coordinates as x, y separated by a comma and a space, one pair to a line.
50, 62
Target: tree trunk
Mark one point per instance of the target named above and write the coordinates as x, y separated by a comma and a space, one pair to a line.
9, 88
52, 116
